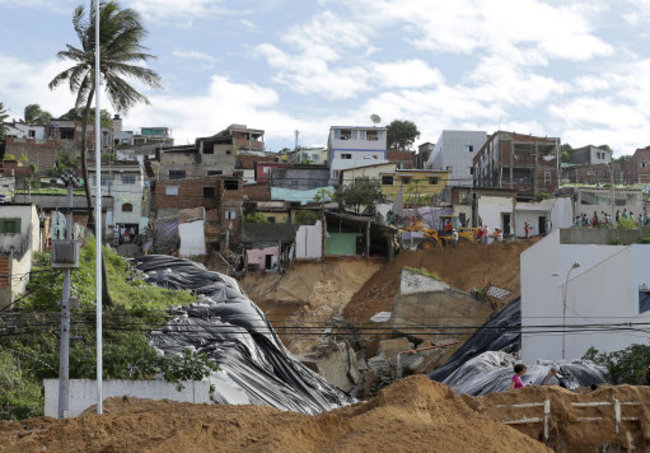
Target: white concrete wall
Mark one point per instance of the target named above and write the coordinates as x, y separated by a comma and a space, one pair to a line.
604, 289
562, 213
451, 151
490, 209
192, 238
309, 241
414, 283
122, 193
83, 393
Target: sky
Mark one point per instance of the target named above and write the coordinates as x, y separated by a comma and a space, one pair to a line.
578, 70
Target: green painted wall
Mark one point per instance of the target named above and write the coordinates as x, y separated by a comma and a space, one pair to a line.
342, 244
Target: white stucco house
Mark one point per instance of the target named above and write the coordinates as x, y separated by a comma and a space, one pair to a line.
125, 183
455, 151
19, 239
355, 146
606, 293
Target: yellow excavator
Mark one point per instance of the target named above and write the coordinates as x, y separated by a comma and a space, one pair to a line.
440, 238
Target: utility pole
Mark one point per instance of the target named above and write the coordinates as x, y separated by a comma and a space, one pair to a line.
64, 357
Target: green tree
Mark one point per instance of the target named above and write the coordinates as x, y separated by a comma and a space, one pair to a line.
306, 217
35, 115
3, 116
401, 134
78, 114
363, 193
627, 366
256, 217
121, 33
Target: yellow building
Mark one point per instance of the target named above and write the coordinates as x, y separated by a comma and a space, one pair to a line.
372, 171
418, 186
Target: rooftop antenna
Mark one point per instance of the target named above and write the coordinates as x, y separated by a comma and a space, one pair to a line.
375, 119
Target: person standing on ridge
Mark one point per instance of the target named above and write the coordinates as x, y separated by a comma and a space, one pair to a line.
516, 383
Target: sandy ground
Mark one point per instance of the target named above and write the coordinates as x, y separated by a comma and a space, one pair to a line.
309, 295
414, 414
567, 433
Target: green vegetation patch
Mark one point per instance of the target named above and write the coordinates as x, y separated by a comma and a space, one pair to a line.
32, 332
423, 271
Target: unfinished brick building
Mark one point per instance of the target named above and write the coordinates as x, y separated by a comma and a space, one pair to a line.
524, 163
637, 170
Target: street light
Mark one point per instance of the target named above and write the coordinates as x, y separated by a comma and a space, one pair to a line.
565, 284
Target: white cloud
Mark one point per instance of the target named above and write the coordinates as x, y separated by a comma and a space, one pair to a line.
591, 83
23, 83
193, 55
405, 74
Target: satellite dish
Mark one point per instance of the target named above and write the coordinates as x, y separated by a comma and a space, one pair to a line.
375, 119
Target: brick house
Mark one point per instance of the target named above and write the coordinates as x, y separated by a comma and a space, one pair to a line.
524, 163
637, 170
221, 196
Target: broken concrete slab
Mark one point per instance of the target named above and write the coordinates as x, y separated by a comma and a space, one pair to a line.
336, 362
413, 282
391, 347
382, 316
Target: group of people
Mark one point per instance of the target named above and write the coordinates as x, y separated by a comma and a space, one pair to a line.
123, 234
552, 378
483, 234
607, 220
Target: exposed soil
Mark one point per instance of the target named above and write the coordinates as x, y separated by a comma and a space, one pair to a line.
310, 294
414, 414
466, 267
567, 433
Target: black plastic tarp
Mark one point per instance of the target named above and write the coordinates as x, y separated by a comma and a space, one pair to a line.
502, 332
255, 367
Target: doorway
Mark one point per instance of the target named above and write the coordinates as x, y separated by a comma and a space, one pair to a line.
268, 262
541, 224
505, 221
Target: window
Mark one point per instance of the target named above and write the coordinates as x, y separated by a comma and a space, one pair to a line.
271, 219
127, 207
346, 156
9, 226
471, 170
372, 136
128, 179
386, 180
208, 192
229, 152
643, 164
214, 172
318, 184
67, 134
547, 177
294, 182
346, 134
231, 184
644, 300
406, 180
107, 181
230, 214
176, 174
433, 181
208, 149
171, 190
31, 133
469, 148
358, 135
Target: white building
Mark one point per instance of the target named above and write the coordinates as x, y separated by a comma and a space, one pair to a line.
125, 183
350, 147
23, 130
608, 289
455, 151
19, 239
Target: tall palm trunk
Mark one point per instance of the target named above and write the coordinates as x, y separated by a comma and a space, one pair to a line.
106, 296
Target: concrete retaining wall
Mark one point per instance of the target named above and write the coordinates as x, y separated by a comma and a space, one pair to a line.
83, 393
603, 236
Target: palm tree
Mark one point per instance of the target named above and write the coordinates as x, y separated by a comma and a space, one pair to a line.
120, 50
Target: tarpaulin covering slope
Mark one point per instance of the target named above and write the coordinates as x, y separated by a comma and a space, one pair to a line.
255, 368
492, 371
502, 332
484, 363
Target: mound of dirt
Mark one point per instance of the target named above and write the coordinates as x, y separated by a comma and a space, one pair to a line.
414, 414
464, 268
567, 431
308, 296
